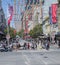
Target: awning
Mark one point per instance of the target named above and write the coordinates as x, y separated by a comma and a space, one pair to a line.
42, 36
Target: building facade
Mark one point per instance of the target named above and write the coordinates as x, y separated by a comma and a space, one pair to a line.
46, 26
2, 19
58, 15
49, 28
33, 14
17, 15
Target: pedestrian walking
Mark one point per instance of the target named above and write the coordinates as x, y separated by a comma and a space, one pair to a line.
47, 45
59, 44
28, 46
25, 45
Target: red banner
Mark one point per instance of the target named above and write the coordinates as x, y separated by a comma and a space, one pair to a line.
30, 16
54, 13
26, 27
9, 19
10, 8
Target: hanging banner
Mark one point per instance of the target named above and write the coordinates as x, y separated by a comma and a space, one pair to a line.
54, 13
50, 15
10, 8
30, 16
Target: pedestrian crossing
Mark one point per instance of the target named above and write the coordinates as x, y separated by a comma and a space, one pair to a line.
26, 57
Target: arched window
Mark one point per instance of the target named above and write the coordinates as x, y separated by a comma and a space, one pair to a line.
35, 1
27, 1
38, 2
31, 1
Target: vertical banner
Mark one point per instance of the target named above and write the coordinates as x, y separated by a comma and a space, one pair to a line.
10, 8
54, 13
50, 15
30, 16
26, 27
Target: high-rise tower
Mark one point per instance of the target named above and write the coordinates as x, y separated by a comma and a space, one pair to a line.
58, 15
17, 18
2, 18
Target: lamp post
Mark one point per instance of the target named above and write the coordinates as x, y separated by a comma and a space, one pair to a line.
8, 35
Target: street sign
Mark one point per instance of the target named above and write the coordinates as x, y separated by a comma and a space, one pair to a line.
7, 36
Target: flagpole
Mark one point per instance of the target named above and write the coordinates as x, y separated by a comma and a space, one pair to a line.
7, 32
7, 36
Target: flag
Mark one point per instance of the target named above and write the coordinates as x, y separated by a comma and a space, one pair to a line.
10, 9
9, 19
30, 16
50, 15
54, 13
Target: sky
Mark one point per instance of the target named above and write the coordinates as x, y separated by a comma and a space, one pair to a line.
5, 8
45, 7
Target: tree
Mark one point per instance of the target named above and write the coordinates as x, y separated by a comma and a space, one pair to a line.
37, 30
11, 32
20, 33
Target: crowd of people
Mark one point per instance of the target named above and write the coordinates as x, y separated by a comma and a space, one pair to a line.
40, 44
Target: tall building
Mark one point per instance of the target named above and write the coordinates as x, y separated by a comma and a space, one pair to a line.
2, 18
32, 14
17, 14
2, 21
58, 15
